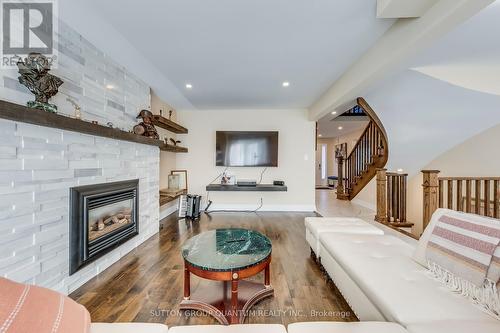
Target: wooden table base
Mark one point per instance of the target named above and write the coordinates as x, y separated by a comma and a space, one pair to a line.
214, 298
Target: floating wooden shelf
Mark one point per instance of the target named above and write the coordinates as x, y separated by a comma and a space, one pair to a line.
173, 149
21, 113
164, 199
169, 125
257, 188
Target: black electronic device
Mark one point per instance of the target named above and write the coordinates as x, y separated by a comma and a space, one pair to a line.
279, 183
247, 183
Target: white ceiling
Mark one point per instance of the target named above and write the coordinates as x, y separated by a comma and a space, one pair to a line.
329, 128
468, 57
426, 115
237, 53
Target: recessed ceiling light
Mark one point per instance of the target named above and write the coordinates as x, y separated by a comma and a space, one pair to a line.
110, 86
189, 86
286, 84
340, 128
334, 112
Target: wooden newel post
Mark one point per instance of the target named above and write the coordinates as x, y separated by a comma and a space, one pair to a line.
340, 181
381, 196
430, 186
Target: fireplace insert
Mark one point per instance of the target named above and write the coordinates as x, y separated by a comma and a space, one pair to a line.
102, 217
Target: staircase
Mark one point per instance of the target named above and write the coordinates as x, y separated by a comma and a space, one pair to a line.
370, 153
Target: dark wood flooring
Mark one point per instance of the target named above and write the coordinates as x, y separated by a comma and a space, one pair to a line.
147, 284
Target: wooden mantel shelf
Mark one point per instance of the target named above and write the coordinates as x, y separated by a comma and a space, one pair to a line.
20, 113
173, 149
164, 199
169, 125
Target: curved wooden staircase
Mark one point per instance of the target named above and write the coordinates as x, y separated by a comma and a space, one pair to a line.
370, 153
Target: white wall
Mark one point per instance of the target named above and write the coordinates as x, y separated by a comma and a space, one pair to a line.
476, 157
350, 138
296, 157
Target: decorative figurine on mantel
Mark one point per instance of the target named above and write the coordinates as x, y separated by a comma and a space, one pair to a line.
146, 127
35, 76
78, 111
174, 142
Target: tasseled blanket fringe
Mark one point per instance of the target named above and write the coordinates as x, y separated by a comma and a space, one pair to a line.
486, 296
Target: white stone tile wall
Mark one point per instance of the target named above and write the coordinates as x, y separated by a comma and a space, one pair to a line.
86, 72
38, 166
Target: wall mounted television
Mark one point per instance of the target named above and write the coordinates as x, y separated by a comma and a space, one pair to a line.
246, 149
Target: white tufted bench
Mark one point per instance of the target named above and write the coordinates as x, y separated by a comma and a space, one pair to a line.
317, 225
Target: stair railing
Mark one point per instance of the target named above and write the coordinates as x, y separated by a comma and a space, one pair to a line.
477, 195
392, 194
368, 154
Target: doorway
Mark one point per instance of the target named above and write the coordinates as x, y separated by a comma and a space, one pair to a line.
322, 162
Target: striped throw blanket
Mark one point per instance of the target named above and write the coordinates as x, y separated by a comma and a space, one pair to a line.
464, 253
26, 308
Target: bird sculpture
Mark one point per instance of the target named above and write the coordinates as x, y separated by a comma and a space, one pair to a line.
174, 142
34, 70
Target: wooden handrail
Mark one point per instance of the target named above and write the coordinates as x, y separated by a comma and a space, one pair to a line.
469, 178
477, 195
369, 153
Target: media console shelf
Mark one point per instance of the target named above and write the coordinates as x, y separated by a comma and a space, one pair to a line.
236, 188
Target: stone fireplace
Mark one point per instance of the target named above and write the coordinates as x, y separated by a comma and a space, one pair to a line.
102, 217
41, 162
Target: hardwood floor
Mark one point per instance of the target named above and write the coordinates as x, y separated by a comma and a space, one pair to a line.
147, 284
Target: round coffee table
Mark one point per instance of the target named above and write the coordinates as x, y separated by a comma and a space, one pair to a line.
227, 256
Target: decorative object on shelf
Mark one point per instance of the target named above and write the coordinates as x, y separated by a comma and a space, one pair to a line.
174, 182
110, 124
146, 127
78, 111
174, 142
227, 179
183, 185
170, 114
189, 206
161, 112
35, 76
95, 122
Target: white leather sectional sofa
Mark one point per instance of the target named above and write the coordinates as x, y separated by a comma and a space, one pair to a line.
307, 327
380, 280
314, 327
350, 225
385, 287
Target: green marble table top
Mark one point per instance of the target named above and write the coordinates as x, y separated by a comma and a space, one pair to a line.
226, 249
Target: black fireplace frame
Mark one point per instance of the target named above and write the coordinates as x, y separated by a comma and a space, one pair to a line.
78, 231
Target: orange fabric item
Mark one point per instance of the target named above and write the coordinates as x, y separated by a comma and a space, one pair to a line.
26, 308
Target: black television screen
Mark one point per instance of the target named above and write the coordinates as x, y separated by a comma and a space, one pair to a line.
250, 149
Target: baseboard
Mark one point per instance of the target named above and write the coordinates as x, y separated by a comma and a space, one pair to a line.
168, 209
264, 208
365, 204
